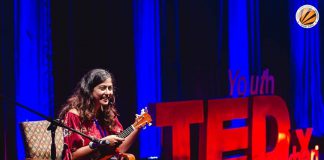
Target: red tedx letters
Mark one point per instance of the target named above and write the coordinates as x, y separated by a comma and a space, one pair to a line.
219, 139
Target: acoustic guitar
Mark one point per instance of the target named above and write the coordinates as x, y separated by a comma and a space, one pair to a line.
140, 122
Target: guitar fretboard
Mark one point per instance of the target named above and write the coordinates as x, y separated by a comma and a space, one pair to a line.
126, 132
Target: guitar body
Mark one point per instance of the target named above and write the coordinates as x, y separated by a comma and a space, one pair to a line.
127, 156
140, 121
122, 156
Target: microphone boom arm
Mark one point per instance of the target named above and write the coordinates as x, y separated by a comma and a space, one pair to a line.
52, 126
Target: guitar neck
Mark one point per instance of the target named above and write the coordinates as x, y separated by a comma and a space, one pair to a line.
126, 132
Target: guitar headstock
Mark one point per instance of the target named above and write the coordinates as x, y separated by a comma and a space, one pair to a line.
143, 119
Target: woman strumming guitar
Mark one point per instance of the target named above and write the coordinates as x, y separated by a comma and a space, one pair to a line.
91, 109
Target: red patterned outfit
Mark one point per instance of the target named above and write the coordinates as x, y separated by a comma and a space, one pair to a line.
74, 141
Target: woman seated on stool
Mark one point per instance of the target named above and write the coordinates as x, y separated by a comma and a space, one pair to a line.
91, 110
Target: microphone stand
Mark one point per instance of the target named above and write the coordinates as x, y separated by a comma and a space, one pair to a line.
52, 127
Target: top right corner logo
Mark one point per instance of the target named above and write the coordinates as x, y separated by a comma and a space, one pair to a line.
307, 16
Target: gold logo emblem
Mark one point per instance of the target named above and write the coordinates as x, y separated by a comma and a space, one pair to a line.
307, 16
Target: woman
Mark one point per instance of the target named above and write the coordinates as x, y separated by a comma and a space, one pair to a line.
91, 109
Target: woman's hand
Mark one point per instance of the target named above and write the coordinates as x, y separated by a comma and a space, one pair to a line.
114, 140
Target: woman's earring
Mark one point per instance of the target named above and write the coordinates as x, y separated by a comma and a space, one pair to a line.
101, 107
112, 100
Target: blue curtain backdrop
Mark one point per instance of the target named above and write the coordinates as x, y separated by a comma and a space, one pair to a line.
33, 62
306, 69
172, 50
148, 72
239, 41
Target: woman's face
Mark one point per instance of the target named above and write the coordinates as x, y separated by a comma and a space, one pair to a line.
102, 92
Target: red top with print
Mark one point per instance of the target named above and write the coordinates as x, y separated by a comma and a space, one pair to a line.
74, 141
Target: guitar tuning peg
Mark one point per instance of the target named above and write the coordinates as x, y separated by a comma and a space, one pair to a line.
136, 115
150, 124
144, 127
145, 109
142, 111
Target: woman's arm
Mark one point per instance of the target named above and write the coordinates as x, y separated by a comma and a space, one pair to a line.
129, 140
82, 152
86, 150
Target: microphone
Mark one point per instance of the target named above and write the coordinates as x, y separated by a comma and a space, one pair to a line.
94, 144
104, 142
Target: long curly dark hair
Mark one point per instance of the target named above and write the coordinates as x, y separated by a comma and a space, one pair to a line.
83, 101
